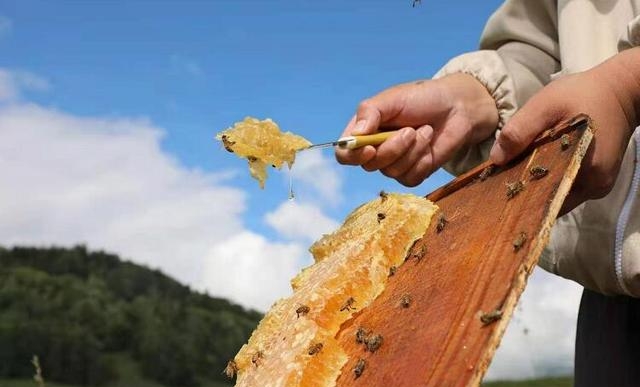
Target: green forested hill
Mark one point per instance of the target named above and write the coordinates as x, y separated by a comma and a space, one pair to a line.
81, 311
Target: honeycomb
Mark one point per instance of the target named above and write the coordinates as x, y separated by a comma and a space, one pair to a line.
350, 270
262, 144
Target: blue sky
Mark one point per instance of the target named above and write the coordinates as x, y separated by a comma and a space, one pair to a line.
108, 110
195, 68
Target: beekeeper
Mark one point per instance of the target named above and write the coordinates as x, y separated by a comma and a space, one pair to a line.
542, 62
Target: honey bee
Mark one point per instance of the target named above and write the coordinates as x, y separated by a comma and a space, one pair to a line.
488, 318
361, 335
514, 188
442, 222
519, 241
315, 348
420, 253
231, 370
373, 342
227, 143
381, 217
302, 310
348, 305
405, 300
383, 196
252, 159
392, 271
484, 175
538, 172
415, 2
257, 357
565, 141
358, 369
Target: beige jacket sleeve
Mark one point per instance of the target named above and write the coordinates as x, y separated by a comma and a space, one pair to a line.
519, 52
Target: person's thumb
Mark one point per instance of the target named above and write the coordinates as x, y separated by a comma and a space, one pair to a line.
536, 116
368, 118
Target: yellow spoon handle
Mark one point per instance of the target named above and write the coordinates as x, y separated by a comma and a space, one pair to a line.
354, 142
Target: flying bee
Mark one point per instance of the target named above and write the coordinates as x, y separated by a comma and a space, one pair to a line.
231, 370
405, 300
373, 342
565, 141
315, 348
442, 222
519, 241
348, 305
358, 369
302, 310
514, 188
488, 318
538, 172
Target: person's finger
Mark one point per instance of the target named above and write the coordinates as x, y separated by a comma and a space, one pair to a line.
540, 113
367, 120
354, 156
409, 159
421, 170
358, 156
392, 149
448, 140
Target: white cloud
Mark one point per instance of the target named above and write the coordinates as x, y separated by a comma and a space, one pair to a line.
540, 338
107, 183
321, 173
249, 269
296, 220
14, 83
6, 25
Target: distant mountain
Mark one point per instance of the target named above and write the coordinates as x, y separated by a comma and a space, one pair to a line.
75, 309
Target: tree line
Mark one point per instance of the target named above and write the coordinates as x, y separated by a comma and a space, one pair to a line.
72, 308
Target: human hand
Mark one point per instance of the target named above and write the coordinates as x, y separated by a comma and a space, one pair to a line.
436, 117
609, 94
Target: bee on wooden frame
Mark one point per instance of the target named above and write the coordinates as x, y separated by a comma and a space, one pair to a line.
358, 369
488, 318
514, 188
520, 240
565, 141
405, 300
361, 335
442, 222
538, 172
373, 342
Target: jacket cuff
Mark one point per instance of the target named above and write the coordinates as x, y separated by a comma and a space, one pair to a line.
631, 36
488, 68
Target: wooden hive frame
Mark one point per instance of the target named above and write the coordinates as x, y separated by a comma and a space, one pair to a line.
462, 280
